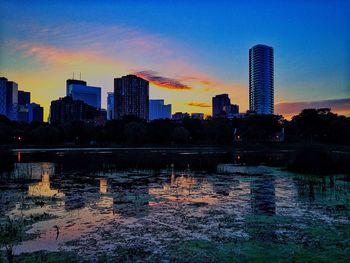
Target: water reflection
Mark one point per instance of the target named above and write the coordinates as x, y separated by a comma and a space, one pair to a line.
157, 206
263, 199
43, 188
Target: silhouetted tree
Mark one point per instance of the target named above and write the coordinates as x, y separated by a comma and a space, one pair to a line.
261, 127
135, 133
181, 135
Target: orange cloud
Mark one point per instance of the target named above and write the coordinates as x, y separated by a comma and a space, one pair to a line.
201, 80
61, 56
201, 104
162, 82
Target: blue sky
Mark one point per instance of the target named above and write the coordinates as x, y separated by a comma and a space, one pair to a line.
180, 40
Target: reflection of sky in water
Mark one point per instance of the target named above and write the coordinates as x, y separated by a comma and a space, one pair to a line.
189, 204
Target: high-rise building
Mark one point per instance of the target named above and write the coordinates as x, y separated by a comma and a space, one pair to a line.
23, 97
35, 112
231, 110
157, 110
110, 105
131, 95
79, 90
66, 110
3, 97
12, 100
219, 102
261, 79
23, 102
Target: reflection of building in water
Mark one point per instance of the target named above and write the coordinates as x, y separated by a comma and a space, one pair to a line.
43, 188
185, 188
103, 185
104, 201
263, 199
33, 170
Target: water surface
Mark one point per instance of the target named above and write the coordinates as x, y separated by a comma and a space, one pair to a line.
187, 205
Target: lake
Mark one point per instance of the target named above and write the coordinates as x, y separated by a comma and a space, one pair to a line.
169, 205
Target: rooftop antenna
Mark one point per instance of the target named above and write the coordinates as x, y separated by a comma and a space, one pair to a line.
73, 75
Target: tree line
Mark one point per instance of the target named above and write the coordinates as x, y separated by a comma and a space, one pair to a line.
311, 125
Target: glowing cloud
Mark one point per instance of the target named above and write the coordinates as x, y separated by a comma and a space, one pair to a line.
201, 104
162, 82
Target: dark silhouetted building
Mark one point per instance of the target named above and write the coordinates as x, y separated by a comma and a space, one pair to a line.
157, 110
79, 90
180, 116
219, 102
199, 116
23, 102
261, 79
12, 100
8, 98
23, 97
231, 110
110, 105
3, 96
131, 95
35, 112
66, 110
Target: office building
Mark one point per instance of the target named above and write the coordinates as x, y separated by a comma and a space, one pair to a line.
180, 116
3, 97
110, 105
23, 102
231, 110
261, 79
8, 98
67, 110
199, 116
79, 90
131, 95
219, 102
35, 112
158, 110
23, 97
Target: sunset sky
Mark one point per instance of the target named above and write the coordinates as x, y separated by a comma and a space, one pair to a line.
188, 50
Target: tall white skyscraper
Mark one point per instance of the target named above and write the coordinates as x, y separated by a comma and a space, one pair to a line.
261, 79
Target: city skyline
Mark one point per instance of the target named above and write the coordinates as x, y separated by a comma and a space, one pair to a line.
185, 66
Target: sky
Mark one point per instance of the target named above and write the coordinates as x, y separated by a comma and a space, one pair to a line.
188, 50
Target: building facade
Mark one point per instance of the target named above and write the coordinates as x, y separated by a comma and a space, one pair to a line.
12, 100
131, 97
158, 110
261, 79
219, 102
23, 102
3, 97
178, 116
110, 105
79, 90
66, 110
199, 116
35, 112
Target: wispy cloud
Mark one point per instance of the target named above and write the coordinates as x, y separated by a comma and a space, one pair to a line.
162, 82
199, 104
202, 80
337, 105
